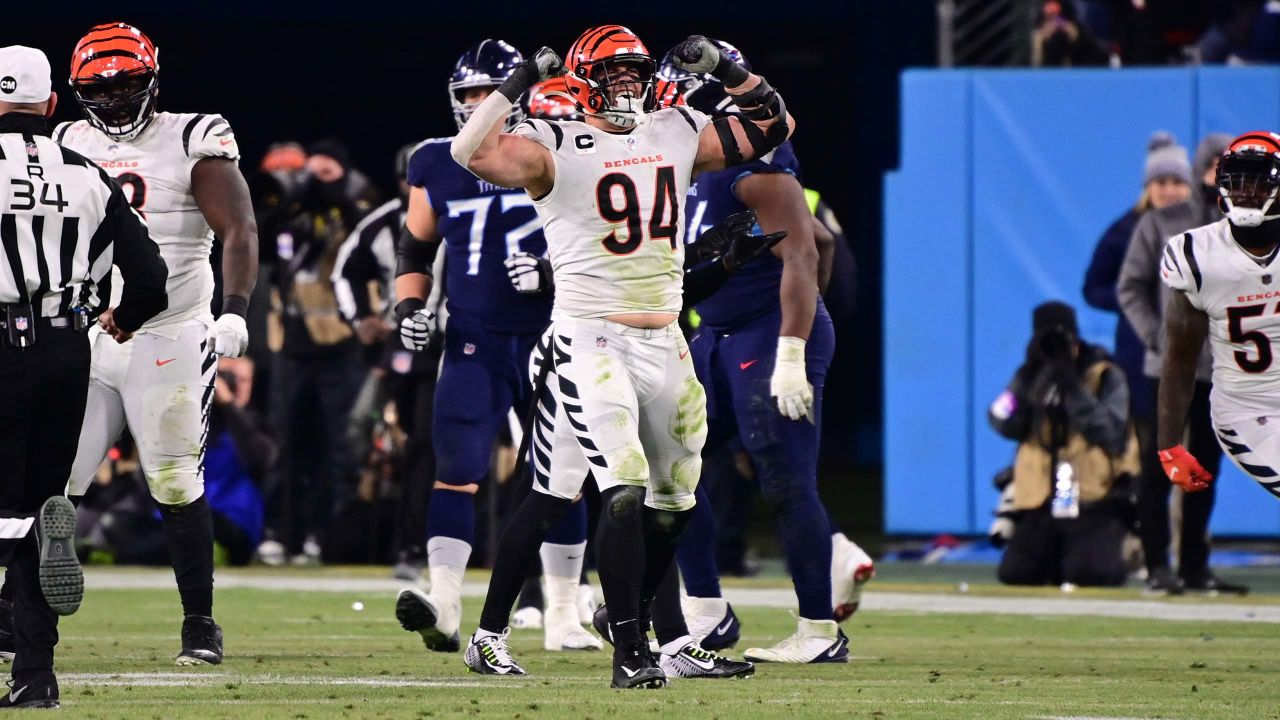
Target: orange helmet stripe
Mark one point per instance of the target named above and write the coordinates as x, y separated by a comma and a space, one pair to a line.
112, 48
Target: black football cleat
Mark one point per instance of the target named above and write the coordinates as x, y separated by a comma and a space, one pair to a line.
40, 691
201, 641
634, 667
61, 579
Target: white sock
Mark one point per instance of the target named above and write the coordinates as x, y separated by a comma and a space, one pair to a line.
676, 645
563, 561
561, 591
447, 561
482, 633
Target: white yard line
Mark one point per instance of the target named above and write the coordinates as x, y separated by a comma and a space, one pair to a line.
748, 597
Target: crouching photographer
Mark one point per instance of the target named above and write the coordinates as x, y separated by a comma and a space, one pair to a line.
1067, 502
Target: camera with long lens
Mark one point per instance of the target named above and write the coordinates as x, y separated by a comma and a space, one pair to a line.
1055, 344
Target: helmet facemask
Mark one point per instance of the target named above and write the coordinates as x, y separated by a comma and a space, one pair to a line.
462, 110
120, 105
621, 89
1248, 182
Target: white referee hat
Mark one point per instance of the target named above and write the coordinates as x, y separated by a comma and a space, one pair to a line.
24, 75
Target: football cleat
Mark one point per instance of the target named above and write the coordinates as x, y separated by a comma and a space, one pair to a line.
437, 622
851, 570
490, 655
38, 692
61, 579
692, 661
562, 631
712, 622
815, 641
634, 667
527, 618
201, 641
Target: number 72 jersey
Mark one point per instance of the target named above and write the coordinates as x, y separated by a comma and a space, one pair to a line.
482, 225
1242, 300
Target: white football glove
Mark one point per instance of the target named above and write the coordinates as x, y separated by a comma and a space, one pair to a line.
529, 273
416, 329
229, 337
790, 383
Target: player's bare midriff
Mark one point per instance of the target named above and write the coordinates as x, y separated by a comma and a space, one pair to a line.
645, 320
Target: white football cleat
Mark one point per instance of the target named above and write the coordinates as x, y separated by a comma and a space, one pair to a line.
561, 631
490, 655
527, 618
851, 569
815, 641
711, 622
435, 619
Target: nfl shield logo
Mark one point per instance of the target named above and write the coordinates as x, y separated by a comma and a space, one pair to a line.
32, 152
632, 143
601, 342
1266, 279
20, 324
469, 349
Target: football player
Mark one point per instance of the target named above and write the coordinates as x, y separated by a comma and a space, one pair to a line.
1228, 289
180, 171
491, 331
765, 334
611, 192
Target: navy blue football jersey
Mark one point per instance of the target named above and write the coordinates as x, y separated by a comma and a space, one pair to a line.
754, 290
482, 225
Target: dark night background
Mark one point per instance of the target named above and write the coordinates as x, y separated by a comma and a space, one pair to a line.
373, 75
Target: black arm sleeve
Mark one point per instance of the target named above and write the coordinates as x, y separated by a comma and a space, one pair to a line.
138, 257
702, 282
414, 255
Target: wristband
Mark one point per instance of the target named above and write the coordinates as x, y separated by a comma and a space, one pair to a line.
235, 305
408, 306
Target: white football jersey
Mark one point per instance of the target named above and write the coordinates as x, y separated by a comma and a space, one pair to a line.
614, 218
1242, 300
154, 170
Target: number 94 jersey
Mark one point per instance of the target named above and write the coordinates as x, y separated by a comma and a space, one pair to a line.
154, 171
613, 216
1242, 300
482, 225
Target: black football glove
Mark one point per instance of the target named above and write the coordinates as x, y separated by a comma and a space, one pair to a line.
747, 247
716, 240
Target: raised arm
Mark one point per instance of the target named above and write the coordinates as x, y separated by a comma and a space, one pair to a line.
502, 158
762, 123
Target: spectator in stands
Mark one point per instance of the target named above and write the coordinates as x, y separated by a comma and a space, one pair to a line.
241, 451
1166, 181
364, 278
1247, 32
1067, 407
1059, 40
319, 367
1143, 296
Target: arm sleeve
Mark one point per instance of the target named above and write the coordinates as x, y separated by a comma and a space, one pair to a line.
1179, 268
1104, 269
143, 295
209, 136
703, 281
1136, 290
1102, 420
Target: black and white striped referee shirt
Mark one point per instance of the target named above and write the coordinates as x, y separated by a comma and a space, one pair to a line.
63, 224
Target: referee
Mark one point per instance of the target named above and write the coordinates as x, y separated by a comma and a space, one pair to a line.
63, 224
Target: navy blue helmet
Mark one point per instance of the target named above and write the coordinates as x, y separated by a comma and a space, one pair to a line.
485, 64
701, 91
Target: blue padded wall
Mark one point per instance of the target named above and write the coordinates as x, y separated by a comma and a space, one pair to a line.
1007, 180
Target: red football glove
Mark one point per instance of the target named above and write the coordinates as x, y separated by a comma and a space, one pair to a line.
1184, 470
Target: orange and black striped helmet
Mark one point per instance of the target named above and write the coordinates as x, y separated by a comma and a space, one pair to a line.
115, 75
1249, 181
550, 100
605, 66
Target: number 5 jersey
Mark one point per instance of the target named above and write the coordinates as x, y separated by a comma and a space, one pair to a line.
1242, 299
154, 170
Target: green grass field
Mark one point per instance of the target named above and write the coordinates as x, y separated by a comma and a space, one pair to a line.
293, 654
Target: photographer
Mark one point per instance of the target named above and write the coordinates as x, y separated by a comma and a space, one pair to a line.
1068, 408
